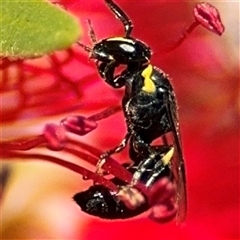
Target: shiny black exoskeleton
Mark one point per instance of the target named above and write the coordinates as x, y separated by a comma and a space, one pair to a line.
150, 111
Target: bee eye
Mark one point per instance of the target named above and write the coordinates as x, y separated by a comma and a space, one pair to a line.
127, 47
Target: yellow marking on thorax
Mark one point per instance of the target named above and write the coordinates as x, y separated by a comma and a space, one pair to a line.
148, 85
168, 156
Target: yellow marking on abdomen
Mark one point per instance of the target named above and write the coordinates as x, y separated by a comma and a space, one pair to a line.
168, 156
148, 85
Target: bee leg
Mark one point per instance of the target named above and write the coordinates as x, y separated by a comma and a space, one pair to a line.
106, 155
121, 15
106, 71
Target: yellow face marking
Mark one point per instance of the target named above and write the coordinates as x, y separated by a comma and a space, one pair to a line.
168, 156
120, 39
148, 85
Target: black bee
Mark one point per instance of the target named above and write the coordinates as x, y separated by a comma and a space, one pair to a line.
150, 111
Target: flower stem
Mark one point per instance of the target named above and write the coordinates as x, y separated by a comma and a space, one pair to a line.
76, 168
184, 36
23, 145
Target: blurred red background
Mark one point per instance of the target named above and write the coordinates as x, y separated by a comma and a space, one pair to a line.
37, 200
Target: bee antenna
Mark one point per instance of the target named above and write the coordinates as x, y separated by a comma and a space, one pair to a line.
92, 34
85, 47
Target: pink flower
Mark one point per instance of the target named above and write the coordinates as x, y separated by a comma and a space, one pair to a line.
47, 90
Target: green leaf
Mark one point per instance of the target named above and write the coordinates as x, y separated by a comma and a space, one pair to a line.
31, 28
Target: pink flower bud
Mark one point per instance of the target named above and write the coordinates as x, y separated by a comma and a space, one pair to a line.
55, 136
79, 125
208, 16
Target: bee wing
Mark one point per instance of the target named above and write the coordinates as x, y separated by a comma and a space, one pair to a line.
177, 165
